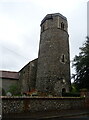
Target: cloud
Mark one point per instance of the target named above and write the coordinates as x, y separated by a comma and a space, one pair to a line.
88, 18
17, 35
20, 27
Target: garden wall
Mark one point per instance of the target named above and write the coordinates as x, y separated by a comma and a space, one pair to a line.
33, 104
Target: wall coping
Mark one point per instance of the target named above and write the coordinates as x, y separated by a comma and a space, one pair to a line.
36, 97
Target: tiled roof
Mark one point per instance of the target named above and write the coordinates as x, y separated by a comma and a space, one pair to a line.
9, 75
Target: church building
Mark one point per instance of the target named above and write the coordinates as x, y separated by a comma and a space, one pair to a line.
50, 72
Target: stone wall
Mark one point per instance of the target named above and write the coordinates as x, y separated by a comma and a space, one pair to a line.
27, 104
27, 78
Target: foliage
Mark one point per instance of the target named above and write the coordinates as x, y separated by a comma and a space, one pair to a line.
71, 94
14, 90
3, 92
73, 91
84, 90
33, 92
81, 64
74, 88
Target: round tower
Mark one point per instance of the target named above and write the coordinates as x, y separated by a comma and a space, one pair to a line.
53, 72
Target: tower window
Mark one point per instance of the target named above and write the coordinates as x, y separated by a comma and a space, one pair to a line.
58, 25
46, 24
62, 26
63, 60
43, 28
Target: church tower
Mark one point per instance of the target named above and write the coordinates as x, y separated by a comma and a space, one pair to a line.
53, 72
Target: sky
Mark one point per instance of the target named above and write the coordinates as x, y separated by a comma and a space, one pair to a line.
20, 28
87, 18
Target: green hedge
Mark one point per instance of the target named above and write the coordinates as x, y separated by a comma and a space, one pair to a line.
71, 94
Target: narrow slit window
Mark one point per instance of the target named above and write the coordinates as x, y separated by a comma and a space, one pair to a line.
58, 25
62, 26
43, 28
63, 58
46, 25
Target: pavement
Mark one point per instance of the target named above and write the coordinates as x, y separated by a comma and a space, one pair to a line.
50, 115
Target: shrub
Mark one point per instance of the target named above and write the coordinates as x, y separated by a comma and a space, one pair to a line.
14, 90
3, 92
71, 94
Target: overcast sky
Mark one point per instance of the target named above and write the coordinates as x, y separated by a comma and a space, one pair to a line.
20, 28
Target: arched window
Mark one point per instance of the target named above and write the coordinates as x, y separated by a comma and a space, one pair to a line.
63, 90
62, 26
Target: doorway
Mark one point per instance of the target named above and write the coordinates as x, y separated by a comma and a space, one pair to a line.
63, 91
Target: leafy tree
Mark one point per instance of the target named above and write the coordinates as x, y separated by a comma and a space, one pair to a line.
81, 64
74, 88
